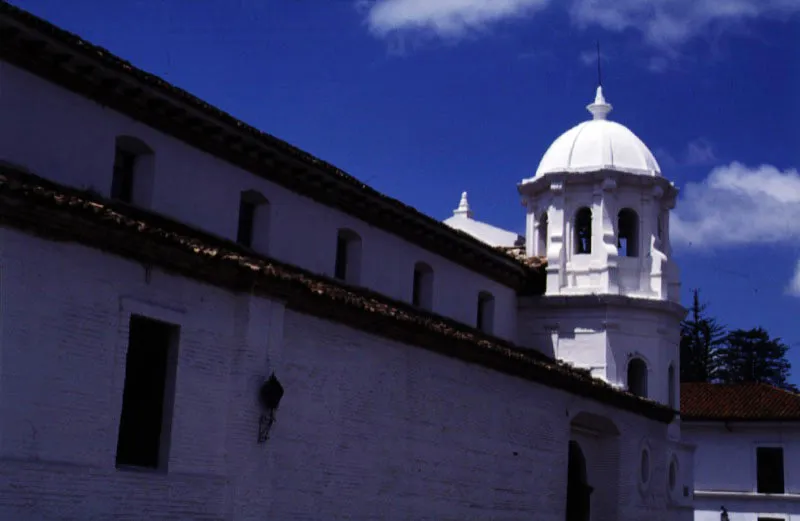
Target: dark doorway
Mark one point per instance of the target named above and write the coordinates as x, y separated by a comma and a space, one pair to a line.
578, 490
148, 394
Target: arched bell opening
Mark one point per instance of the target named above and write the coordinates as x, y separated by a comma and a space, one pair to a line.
628, 233
583, 231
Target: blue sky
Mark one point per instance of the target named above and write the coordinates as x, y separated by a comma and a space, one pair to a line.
423, 99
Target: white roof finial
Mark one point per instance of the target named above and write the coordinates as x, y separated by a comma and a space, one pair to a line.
463, 207
599, 108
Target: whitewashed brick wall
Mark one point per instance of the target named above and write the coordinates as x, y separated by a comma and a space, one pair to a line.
369, 429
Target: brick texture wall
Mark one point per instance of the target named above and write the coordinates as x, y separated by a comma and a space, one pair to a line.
368, 428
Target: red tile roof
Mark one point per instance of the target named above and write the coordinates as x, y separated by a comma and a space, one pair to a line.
738, 402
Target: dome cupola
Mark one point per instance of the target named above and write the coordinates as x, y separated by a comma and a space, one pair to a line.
598, 144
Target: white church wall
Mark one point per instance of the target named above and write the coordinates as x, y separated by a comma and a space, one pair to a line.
64, 340
604, 339
69, 139
681, 492
725, 469
367, 426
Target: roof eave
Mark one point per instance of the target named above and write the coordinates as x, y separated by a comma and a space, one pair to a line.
59, 56
57, 212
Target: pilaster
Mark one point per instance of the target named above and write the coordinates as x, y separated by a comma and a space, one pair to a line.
608, 236
556, 250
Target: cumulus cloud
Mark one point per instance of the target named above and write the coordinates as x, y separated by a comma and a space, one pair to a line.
445, 18
664, 24
667, 24
737, 205
700, 152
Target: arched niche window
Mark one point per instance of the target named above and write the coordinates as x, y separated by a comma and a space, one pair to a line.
583, 231
637, 377
253, 227
660, 226
542, 236
348, 256
485, 319
132, 180
671, 386
422, 292
628, 233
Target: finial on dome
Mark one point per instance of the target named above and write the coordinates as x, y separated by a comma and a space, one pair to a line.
463, 206
599, 108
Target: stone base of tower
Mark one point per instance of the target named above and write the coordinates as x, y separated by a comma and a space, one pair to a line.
606, 334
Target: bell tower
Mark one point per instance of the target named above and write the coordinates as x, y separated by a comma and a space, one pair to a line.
598, 209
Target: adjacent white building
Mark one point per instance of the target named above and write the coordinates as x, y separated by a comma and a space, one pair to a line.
747, 459
463, 219
170, 350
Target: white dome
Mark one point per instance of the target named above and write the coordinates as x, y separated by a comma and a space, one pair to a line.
599, 144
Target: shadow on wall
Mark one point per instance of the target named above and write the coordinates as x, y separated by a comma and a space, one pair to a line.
546, 345
548, 342
538, 336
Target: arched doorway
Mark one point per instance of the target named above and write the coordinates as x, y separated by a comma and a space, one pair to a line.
578, 490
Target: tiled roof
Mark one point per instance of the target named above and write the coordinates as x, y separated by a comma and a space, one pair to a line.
738, 402
63, 58
519, 253
57, 212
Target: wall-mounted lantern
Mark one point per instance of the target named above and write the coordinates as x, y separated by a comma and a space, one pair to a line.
269, 394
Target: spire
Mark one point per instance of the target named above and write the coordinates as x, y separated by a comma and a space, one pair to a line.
463, 207
599, 108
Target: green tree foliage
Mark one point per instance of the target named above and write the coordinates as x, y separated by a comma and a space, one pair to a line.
709, 353
752, 356
702, 339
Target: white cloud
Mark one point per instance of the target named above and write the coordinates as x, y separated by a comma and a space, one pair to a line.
794, 285
700, 152
665, 25
445, 18
737, 205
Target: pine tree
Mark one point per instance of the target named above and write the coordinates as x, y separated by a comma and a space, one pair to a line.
701, 340
752, 356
